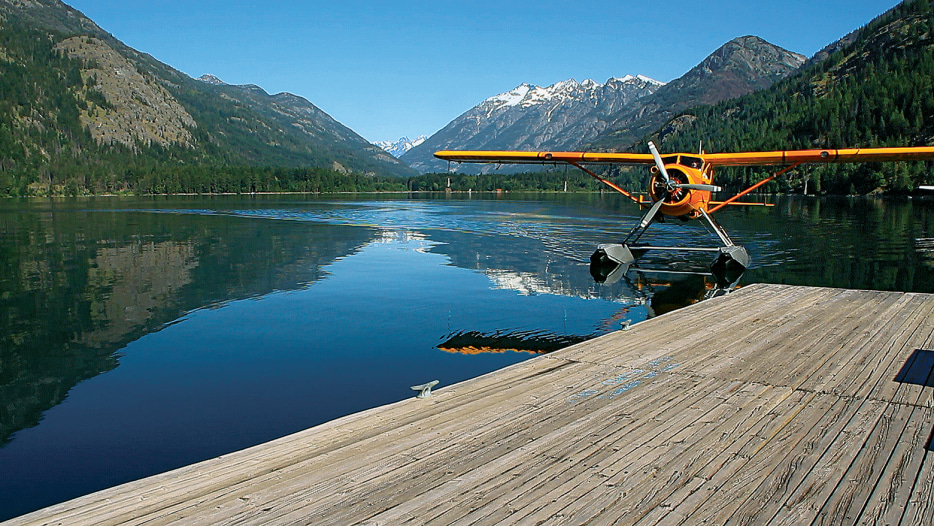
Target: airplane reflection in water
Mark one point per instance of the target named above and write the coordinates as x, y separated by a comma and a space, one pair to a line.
476, 342
671, 291
660, 291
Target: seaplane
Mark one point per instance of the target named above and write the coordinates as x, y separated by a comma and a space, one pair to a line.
681, 186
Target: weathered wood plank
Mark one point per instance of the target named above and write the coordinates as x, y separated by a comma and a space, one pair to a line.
879, 358
567, 456
598, 458
833, 455
920, 506
897, 488
856, 486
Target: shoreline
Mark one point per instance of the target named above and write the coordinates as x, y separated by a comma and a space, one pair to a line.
921, 195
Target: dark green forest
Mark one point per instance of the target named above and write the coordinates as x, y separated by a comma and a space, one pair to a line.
210, 180
878, 91
44, 149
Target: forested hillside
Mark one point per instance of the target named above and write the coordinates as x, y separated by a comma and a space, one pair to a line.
43, 143
877, 91
81, 112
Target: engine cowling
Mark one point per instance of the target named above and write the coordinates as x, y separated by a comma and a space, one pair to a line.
680, 202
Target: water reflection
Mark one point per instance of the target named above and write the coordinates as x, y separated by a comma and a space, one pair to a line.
77, 286
667, 292
535, 342
223, 326
860, 243
658, 292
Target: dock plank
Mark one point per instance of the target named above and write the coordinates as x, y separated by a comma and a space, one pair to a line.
773, 405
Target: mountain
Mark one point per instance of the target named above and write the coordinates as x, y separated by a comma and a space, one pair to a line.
72, 95
397, 149
571, 116
740, 66
307, 129
211, 79
560, 116
875, 87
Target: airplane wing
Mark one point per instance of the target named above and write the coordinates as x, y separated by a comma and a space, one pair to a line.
508, 157
777, 158
577, 159
849, 155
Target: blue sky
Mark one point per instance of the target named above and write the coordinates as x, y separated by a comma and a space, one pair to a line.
393, 68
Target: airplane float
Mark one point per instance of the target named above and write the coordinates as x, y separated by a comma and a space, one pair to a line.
681, 186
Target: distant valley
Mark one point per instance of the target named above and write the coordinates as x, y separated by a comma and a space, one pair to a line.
400, 147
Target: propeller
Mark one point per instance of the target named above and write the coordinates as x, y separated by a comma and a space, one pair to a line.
670, 184
647, 218
693, 186
659, 164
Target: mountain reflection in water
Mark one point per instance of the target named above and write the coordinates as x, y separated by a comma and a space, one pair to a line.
661, 293
78, 285
151, 333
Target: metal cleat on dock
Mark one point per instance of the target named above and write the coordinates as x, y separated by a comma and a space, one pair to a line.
424, 389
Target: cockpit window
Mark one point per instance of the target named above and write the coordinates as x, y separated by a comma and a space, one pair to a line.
671, 159
692, 162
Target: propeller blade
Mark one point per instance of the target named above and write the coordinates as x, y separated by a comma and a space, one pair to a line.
658, 162
647, 218
692, 186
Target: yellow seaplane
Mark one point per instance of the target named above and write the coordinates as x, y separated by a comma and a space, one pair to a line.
681, 186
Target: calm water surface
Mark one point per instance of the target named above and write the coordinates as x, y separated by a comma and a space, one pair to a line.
142, 334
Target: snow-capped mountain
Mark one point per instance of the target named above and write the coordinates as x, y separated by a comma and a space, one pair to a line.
527, 95
561, 116
610, 116
740, 66
399, 148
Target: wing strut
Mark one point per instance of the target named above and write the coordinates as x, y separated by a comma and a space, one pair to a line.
606, 182
753, 187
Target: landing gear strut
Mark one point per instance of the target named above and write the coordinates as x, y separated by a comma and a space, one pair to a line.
611, 261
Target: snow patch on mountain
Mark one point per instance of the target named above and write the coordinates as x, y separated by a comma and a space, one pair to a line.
510, 98
642, 78
528, 95
211, 79
398, 148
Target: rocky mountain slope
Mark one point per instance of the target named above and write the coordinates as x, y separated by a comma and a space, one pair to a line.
570, 116
300, 121
529, 117
77, 95
132, 108
740, 66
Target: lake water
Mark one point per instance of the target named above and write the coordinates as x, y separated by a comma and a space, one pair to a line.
142, 334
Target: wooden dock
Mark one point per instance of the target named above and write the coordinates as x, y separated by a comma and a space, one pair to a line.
774, 405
